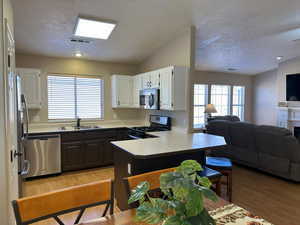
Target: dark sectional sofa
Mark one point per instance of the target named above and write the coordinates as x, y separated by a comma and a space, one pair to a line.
271, 149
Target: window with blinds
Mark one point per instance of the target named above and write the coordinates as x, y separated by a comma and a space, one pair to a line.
228, 100
75, 97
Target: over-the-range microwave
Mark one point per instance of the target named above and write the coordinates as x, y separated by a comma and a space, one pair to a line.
149, 98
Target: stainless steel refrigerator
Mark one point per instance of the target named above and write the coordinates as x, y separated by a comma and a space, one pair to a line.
22, 132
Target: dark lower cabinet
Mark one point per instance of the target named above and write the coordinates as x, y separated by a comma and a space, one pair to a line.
94, 153
72, 156
90, 149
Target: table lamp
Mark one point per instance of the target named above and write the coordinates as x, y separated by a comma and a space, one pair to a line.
209, 109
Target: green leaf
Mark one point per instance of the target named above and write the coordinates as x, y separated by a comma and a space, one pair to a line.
178, 206
194, 203
208, 193
181, 188
138, 194
204, 181
158, 202
189, 167
176, 220
148, 213
167, 182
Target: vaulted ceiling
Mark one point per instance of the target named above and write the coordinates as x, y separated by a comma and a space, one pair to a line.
240, 34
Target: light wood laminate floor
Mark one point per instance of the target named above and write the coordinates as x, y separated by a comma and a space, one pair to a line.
275, 199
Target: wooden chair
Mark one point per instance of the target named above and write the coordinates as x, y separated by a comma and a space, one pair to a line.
154, 180
53, 204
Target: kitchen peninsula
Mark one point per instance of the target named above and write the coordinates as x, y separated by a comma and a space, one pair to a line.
168, 149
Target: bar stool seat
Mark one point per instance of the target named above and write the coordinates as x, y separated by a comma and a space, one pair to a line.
214, 177
218, 162
224, 166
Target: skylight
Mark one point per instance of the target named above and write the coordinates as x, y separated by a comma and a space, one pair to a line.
93, 29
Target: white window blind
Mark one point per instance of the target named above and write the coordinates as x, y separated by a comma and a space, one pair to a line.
238, 101
220, 97
200, 101
228, 100
75, 97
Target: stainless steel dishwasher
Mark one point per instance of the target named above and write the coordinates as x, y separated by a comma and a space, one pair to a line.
44, 155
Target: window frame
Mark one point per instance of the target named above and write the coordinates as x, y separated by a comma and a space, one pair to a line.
230, 100
206, 100
243, 101
102, 110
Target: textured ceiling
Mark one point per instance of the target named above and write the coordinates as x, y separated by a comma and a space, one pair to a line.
243, 34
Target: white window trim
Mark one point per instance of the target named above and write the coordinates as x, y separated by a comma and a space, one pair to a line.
207, 90
78, 76
230, 102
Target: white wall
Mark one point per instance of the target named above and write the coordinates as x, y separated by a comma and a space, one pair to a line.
178, 52
73, 66
269, 89
265, 98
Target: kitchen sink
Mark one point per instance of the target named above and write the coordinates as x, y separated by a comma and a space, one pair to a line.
80, 128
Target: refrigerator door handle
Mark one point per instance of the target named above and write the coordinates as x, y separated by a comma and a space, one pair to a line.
26, 168
26, 115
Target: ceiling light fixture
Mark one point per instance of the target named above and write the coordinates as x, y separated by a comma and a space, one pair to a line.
78, 54
279, 58
93, 29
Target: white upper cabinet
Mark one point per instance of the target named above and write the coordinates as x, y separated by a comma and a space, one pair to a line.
155, 79
31, 87
166, 90
146, 79
122, 94
173, 89
170, 80
137, 87
151, 79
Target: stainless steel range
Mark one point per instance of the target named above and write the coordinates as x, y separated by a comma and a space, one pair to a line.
157, 123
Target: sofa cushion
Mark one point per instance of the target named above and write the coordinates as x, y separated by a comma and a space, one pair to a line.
243, 155
273, 164
277, 142
228, 118
219, 127
242, 135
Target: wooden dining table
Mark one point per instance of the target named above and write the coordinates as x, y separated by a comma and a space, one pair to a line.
127, 217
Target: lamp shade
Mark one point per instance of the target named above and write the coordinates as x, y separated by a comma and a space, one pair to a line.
210, 108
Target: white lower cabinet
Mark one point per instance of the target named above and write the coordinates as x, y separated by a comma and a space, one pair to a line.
122, 95
31, 87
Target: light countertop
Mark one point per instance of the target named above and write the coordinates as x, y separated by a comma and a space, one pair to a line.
56, 128
169, 142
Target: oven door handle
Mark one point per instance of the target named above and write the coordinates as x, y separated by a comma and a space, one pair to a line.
133, 137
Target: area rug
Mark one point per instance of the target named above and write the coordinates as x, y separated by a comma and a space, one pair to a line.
235, 215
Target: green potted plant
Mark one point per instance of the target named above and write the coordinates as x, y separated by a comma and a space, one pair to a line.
183, 198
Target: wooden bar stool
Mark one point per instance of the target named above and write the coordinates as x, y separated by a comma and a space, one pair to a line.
153, 179
53, 204
224, 166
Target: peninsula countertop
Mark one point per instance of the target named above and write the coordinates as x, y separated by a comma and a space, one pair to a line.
169, 143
